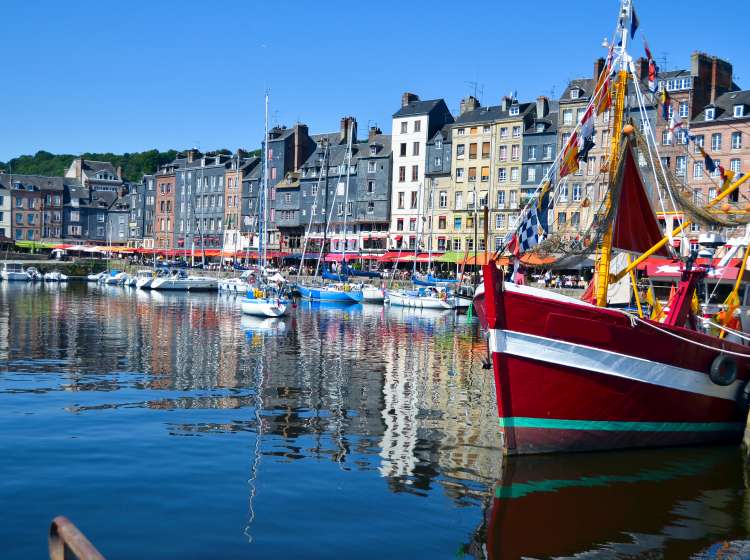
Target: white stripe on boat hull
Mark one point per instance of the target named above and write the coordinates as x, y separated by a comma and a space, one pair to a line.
586, 358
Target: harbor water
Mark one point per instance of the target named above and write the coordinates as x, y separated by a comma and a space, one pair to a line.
169, 426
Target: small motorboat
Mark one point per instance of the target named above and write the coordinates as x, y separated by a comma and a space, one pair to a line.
96, 277
14, 272
55, 276
143, 279
34, 274
235, 285
180, 281
115, 278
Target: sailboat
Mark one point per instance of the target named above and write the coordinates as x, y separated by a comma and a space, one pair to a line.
573, 375
341, 291
264, 300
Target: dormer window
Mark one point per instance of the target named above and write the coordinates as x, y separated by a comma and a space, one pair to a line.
439, 144
710, 114
540, 127
739, 111
575, 93
513, 110
373, 150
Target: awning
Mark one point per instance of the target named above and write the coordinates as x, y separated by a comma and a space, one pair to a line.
425, 257
527, 259
450, 257
390, 256
398, 237
338, 257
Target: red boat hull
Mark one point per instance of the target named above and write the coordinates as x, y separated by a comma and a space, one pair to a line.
574, 377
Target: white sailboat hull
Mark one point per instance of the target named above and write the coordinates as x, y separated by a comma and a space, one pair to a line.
403, 299
263, 307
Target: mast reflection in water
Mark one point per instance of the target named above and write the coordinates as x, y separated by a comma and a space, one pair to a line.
168, 426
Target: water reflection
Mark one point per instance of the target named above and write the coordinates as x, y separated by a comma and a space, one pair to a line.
657, 504
391, 404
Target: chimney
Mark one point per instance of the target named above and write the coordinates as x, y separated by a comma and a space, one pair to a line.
373, 132
348, 123
407, 98
191, 155
542, 107
79, 168
300, 133
468, 104
641, 66
506, 103
712, 77
118, 172
598, 67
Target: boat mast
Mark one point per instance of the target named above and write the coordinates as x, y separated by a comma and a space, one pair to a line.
264, 227
420, 226
620, 89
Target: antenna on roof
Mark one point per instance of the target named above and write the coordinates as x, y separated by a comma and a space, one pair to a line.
552, 92
477, 87
663, 61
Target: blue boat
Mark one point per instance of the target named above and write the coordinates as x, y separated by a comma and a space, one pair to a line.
328, 275
346, 269
430, 280
330, 293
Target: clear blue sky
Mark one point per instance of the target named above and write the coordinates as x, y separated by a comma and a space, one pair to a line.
131, 75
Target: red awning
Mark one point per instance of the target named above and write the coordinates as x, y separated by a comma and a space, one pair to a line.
390, 256
398, 237
425, 257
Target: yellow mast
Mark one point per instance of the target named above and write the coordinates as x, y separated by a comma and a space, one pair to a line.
605, 248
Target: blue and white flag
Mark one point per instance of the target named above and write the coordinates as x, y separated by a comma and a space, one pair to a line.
528, 232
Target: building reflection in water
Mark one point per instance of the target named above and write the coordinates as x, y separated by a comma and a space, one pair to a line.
395, 390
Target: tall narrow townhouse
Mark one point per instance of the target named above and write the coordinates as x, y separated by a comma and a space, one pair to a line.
539, 147
413, 124
487, 161
233, 240
440, 188
287, 150
26, 204
569, 196
164, 211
